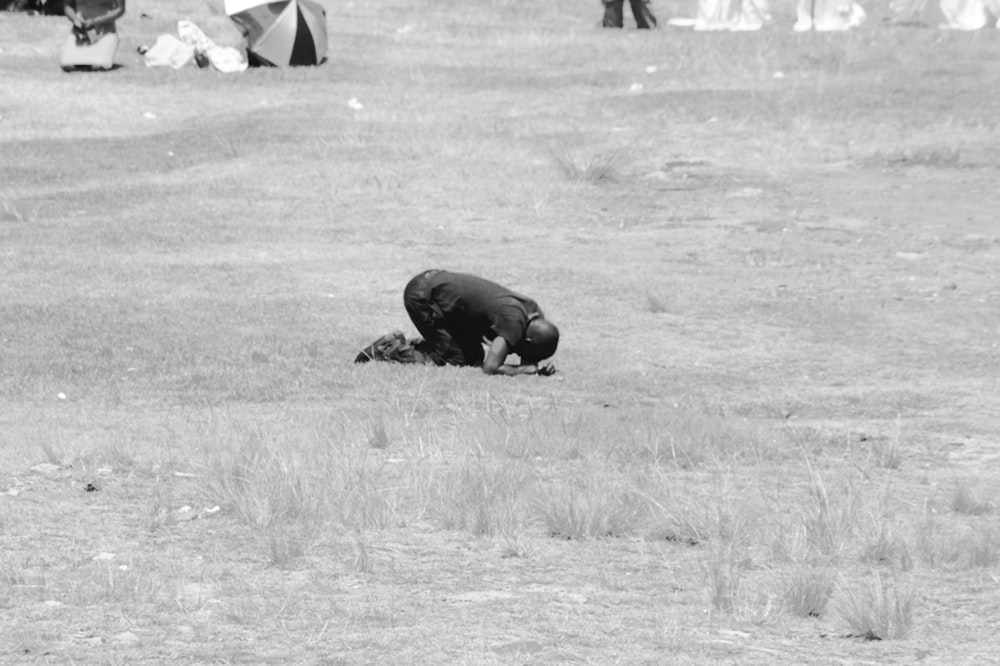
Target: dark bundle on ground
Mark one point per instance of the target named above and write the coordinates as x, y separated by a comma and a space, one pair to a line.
394, 348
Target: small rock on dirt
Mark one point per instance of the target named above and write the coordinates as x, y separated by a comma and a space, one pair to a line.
126, 638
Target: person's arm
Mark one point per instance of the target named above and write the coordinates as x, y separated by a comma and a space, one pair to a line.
497, 354
73, 16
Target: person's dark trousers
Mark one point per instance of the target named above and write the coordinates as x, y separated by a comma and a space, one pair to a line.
441, 343
613, 14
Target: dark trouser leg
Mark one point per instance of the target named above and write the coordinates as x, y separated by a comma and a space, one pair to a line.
613, 13
438, 342
644, 18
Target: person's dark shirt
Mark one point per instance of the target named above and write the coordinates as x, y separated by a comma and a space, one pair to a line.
89, 9
473, 306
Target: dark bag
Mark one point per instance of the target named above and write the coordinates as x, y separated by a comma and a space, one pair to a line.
394, 348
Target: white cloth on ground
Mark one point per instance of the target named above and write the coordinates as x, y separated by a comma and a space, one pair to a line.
223, 58
168, 51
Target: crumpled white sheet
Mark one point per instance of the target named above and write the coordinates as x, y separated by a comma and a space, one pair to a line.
222, 58
169, 51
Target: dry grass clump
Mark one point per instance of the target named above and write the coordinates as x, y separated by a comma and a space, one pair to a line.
831, 518
877, 609
886, 547
688, 439
11, 574
941, 541
920, 156
593, 168
481, 496
588, 507
108, 578
655, 303
728, 528
886, 452
678, 438
808, 592
277, 493
966, 502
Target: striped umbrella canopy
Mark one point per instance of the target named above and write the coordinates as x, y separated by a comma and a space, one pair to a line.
281, 34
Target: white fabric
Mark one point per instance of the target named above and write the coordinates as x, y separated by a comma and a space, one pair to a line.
826, 15
237, 6
168, 51
732, 15
226, 59
223, 58
948, 14
192, 34
963, 14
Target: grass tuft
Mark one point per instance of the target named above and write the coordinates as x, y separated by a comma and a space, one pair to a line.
279, 496
587, 508
965, 502
831, 518
944, 542
480, 497
887, 548
655, 304
378, 439
808, 592
877, 610
596, 169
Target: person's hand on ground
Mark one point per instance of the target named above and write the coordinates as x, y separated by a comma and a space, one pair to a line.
546, 370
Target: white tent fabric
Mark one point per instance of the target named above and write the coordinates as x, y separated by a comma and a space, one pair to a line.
826, 15
732, 15
969, 14
948, 14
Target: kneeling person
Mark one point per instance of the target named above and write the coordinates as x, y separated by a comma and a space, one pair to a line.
457, 313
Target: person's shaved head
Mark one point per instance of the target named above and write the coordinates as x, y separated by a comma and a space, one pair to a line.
540, 341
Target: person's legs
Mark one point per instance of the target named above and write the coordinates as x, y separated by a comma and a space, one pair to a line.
438, 342
644, 18
613, 13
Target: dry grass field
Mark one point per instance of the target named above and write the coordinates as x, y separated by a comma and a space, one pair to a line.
774, 436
